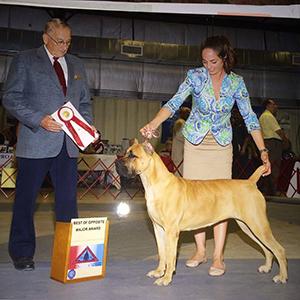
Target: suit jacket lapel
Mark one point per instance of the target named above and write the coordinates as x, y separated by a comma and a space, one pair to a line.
70, 74
41, 52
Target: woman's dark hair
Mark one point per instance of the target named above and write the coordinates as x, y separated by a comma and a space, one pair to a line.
221, 45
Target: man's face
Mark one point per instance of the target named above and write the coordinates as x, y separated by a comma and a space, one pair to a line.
58, 41
272, 107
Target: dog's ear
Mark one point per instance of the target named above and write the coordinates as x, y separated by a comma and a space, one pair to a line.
148, 147
135, 141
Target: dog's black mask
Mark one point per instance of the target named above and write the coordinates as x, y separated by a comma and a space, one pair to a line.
122, 170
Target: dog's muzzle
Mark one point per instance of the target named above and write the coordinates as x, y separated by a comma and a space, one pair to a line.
122, 170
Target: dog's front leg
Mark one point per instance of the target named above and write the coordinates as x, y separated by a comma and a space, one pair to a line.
160, 240
172, 235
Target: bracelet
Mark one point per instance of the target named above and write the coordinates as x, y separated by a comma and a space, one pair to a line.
263, 150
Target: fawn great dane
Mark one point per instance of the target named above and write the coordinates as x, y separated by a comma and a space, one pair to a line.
176, 204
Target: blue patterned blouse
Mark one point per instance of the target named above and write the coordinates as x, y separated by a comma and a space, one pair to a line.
209, 114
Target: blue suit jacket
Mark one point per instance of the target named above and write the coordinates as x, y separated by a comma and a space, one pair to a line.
32, 90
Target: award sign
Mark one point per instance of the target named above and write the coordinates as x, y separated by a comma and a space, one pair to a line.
75, 126
80, 249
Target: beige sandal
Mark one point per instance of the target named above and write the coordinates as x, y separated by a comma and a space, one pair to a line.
193, 263
216, 271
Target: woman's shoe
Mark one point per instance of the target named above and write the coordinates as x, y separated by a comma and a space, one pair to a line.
216, 271
193, 263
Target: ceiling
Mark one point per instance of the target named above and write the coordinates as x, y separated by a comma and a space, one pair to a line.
275, 15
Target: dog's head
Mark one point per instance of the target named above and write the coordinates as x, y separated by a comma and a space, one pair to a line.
136, 160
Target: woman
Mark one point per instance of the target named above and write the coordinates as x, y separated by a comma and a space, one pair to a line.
208, 133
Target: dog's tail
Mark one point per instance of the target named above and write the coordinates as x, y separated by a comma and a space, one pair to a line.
257, 174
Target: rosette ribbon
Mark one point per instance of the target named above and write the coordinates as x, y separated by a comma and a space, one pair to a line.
66, 115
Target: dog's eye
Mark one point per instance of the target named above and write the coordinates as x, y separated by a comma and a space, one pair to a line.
131, 155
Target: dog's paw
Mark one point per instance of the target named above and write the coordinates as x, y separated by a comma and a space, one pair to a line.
155, 273
164, 281
264, 269
280, 279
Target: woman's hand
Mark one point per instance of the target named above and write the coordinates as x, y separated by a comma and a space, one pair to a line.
264, 156
149, 131
265, 159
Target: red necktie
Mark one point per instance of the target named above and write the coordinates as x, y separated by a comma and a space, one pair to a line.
60, 74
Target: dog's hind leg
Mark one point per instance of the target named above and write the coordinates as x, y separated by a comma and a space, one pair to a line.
268, 254
260, 227
160, 240
171, 241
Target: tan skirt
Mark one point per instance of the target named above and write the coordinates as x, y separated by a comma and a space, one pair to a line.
208, 160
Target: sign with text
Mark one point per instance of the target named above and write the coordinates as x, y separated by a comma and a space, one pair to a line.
6, 160
85, 252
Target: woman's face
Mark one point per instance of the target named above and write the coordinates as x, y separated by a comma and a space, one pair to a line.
212, 62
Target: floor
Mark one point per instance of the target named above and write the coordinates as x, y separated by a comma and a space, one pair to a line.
132, 253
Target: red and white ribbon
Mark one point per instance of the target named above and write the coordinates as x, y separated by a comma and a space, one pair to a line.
67, 116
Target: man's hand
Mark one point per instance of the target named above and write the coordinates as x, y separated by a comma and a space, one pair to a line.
97, 135
50, 124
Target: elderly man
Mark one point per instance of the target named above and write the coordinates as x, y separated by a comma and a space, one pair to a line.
39, 82
274, 138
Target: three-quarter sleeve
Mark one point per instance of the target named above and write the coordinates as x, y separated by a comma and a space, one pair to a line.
243, 102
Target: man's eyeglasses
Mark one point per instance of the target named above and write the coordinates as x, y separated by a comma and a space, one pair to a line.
59, 43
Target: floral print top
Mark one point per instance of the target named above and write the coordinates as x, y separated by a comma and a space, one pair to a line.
208, 113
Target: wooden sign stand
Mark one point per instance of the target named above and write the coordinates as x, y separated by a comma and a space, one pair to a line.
91, 260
